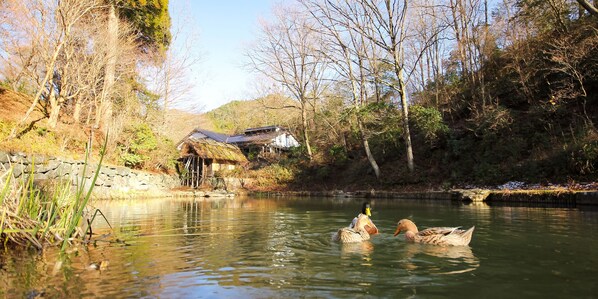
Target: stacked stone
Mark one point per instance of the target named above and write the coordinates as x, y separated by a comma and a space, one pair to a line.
110, 178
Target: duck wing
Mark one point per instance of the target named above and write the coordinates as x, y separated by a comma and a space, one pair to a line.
445, 236
438, 231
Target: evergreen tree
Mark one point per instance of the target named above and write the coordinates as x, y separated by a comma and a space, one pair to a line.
151, 20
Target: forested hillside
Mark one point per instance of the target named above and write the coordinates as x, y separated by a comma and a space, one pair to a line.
383, 94
440, 95
236, 116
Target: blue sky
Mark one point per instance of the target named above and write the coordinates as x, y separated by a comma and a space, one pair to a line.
218, 30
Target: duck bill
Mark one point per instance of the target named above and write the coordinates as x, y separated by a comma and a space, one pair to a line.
368, 212
397, 231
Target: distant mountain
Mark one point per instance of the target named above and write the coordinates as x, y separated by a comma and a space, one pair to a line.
236, 116
179, 123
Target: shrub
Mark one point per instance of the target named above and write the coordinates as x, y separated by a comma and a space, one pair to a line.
135, 147
429, 122
338, 155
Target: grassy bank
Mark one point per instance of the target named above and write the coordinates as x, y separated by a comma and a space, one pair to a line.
38, 216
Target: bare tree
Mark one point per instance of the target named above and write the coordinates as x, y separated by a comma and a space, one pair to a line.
427, 48
288, 53
383, 23
170, 80
351, 56
80, 74
45, 26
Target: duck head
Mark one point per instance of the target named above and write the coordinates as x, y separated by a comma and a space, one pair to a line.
366, 209
405, 225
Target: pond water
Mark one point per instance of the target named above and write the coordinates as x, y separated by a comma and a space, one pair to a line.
265, 247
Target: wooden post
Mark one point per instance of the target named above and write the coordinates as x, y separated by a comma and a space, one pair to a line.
192, 171
200, 172
203, 171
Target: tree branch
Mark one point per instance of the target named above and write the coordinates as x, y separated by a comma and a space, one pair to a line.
589, 7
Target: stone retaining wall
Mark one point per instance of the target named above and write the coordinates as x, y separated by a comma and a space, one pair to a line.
112, 181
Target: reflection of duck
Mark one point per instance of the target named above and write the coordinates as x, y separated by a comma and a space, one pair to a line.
443, 236
356, 234
452, 259
463, 253
360, 248
369, 227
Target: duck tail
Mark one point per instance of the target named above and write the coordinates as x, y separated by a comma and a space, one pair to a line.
468, 234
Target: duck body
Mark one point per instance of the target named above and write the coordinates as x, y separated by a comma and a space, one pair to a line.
357, 232
441, 236
349, 235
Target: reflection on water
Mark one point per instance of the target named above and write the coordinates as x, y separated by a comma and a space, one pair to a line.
348, 250
461, 257
247, 247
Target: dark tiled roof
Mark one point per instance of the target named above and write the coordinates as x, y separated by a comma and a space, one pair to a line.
213, 135
267, 128
264, 138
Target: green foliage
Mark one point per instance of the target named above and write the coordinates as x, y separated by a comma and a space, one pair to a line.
585, 158
338, 154
151, 20
138, 142
82, 196
139, 147
383, 126
546, 16
429, 121
323, 173
148, 99
492, 120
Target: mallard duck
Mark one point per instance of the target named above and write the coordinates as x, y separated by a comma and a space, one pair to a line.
443, 236
369, 227
356, 234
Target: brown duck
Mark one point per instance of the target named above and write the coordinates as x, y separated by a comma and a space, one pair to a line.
442, 236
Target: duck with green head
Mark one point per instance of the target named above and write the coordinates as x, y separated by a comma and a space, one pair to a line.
366, 210
355, 234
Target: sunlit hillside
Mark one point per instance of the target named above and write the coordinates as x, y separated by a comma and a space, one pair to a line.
237, 116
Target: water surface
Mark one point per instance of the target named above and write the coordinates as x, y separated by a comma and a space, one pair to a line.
265, 247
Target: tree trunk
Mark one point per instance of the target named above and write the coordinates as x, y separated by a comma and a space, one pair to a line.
54, 107
406, 133
398, 57
304, 129
104, 113
77, 111
366, 147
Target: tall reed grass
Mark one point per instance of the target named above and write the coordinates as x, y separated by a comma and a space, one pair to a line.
34, 216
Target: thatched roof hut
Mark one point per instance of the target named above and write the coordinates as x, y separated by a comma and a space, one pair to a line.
207, 148
203, 153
